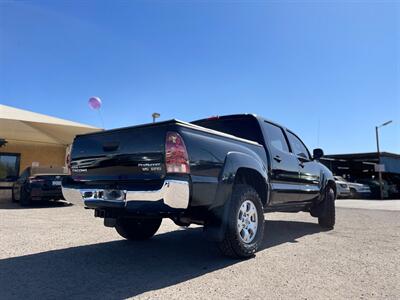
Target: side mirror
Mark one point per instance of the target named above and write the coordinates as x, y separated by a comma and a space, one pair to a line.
318, 153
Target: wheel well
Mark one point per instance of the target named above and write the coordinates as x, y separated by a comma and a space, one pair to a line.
332, 184
255, 180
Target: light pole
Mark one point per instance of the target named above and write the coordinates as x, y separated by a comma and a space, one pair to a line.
155, 116
379, 156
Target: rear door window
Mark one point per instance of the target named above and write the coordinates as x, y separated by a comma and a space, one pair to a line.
245, 128
276, 137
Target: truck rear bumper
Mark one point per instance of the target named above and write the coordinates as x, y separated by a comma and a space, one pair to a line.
173, 193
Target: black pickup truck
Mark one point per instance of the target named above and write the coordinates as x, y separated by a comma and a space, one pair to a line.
221, 172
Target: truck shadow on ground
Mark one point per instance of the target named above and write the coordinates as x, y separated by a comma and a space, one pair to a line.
35, 204
121, 269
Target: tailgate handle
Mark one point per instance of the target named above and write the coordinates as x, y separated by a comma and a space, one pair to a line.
110, 146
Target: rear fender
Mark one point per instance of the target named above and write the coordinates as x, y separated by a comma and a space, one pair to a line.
219, 211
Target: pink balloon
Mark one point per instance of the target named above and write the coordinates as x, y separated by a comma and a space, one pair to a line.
94, 103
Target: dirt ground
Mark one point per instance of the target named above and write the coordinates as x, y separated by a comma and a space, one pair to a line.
61, 251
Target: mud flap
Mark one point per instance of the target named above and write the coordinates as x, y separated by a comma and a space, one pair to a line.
319, 209
215, 227
110, 222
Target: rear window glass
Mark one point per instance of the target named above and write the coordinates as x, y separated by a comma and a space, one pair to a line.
240, 127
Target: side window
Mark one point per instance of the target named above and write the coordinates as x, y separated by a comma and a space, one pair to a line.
297, 146
276, 137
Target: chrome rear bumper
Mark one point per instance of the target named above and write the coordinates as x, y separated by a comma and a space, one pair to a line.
174, 193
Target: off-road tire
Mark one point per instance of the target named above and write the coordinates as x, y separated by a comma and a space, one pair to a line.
137, 229
232, 245
327, 220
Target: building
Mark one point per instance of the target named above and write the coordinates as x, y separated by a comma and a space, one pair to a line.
32, 139
363, 167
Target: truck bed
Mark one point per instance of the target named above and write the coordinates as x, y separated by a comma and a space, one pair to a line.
133, 153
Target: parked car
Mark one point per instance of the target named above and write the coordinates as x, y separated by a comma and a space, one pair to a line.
38, 183
395, 181
342, 188
374, 187
352, 189
222, 172
393, 191
390, 189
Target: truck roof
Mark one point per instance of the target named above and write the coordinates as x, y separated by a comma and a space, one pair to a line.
238, 116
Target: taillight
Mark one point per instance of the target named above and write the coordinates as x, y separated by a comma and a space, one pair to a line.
35, 180
176, 156
68, 159
68, 163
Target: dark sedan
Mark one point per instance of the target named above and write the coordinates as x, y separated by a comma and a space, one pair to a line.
38, 183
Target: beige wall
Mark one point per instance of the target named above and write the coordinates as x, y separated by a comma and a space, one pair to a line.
45, 154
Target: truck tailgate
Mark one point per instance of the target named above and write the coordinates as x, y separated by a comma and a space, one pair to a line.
132, 153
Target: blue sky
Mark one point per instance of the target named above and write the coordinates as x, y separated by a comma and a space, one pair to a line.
332, 65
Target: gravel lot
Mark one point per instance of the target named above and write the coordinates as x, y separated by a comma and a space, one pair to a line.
60, 251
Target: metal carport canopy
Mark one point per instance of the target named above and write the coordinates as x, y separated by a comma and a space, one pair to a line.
26, 126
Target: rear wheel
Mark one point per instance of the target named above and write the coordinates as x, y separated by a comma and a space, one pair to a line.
13, 196
24, 198
137, 229
327, 219
245, 228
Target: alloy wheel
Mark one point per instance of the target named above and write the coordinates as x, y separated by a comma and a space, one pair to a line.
247, 221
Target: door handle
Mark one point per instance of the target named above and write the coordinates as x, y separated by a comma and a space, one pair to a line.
301, 165
277, 158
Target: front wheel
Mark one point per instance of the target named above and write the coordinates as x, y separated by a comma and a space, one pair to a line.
353, 194
245, 228
137, 229
327, 219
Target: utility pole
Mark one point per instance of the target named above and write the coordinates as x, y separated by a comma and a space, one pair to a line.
379, 157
